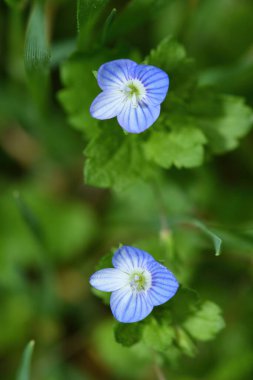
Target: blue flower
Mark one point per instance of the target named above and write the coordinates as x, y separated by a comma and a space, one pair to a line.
137, 282
131, 92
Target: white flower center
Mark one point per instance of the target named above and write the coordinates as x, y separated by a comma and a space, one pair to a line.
134, 91
140, 280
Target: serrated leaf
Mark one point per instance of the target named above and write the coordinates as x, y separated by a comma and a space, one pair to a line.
114, 159
183, 147
205, 323
171, 56
24, 371
158, 336
128, 334
224, 119
168, 54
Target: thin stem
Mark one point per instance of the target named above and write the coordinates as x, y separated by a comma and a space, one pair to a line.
159, 373
165, 229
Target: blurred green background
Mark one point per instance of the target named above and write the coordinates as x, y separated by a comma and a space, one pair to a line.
54, 228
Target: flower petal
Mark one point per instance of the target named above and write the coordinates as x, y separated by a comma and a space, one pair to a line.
127, 258
155, 81
107, 104
137, 119
164, 284
109, 279
112, 75
128, 306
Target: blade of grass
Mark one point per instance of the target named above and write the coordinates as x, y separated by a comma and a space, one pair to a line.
25, 366
37, 54
30, 219
88, 12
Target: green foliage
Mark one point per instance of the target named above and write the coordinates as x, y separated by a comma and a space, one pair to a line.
16, 4
27, 224
123, 161
171, 56
107, 26
128, 334
181, 305
224, 119
16, 315
185, 343
24, 372
30, 219
158, 336
182, 148
206, 322
37, 53
87, 13
134, 15
193, 120
81, 88
167, 180
117, 357
217, 241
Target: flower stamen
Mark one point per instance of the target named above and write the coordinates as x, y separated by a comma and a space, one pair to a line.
134, 91
140, 281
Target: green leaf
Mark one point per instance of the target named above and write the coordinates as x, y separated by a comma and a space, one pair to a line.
158, 336
106, 260
37, 53
104, 296
224, 119
62, 50
181, 304
183, 147
123, 162
185, 343
24, 371
217, 242
88, 12
128, 334
172, 58
80, 90
205, 323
